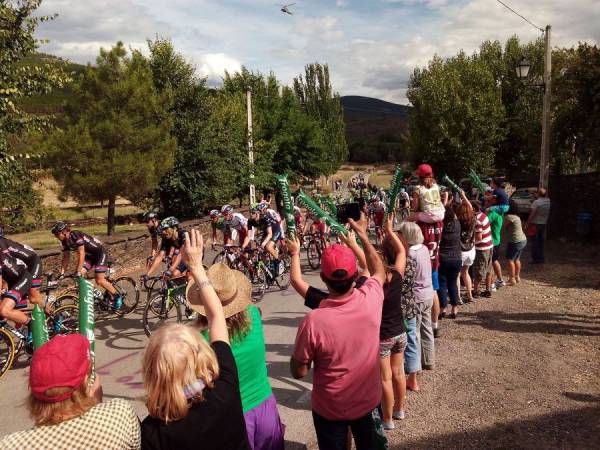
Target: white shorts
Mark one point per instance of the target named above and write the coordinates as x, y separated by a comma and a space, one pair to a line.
468, 257
432, 216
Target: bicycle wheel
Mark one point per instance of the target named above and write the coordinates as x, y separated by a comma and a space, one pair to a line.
127, 287
158, 311
64, 300
259, 283
64, 320
313, 254
283, 278
7, 351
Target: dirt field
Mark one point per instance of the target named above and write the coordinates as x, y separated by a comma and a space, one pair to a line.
520, 370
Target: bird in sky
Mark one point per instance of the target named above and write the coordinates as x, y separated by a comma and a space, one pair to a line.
285, 9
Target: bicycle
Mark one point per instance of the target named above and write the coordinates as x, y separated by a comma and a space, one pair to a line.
228, 255
314, 249
166, 304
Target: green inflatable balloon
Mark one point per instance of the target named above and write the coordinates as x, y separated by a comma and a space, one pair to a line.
86, 319
39, 328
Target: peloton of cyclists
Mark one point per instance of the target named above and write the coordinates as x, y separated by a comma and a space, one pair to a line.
173, 239
91, 254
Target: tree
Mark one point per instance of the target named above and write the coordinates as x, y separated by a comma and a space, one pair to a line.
457, 113
22, 205
318, 100
118, 139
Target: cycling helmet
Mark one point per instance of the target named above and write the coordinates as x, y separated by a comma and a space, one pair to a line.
214, 213
58, 227
226, 209
402, 190
169, 222
374, 198
149, 216
262, 206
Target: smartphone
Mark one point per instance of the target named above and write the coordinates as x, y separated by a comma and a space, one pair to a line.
347, 211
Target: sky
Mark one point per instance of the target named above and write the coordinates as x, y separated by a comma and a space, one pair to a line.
371, 46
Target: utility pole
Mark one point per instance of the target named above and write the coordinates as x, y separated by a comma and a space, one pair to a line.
545, 153
250, 146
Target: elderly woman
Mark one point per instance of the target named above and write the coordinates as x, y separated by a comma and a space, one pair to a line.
423, 292
66, 409
192, 387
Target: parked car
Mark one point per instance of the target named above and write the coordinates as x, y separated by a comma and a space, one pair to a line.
523, 197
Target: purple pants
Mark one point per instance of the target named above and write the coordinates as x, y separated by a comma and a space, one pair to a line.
264, 427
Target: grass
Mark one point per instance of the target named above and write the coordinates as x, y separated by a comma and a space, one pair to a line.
381, 179
81, 213
43, 239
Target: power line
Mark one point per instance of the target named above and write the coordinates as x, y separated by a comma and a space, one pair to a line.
522, 17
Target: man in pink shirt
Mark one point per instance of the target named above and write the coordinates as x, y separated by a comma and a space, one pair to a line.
341, 339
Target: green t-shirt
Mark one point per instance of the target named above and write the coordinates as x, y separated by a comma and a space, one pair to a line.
496, 226
251, 361
219, 224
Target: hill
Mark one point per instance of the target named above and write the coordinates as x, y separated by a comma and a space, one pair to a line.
376, 130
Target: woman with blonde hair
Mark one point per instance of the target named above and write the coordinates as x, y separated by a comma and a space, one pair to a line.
67, 410
193, 393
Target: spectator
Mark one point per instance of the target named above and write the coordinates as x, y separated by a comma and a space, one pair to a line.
466, 217
67, 410
516, 243
428, 203
500, 198
244, 325
193, 392
538, 218
483, 252
397, 309
327, 337
450, 263
496, 219
423, 291
432, 234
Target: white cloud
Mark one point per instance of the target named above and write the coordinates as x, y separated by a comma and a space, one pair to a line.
214, 65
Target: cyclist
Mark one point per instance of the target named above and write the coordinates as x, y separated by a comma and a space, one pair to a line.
376, 211
235, 223
269, 222
31, 259
404, 200
91, 254
17, 279
152, 223
298, 218
217, 222
172, 241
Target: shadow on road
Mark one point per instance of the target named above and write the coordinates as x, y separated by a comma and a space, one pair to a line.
549, 323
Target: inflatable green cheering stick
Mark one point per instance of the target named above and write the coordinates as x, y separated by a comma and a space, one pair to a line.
451, 183
476, 181
394, 190
39, 328
288, 206
330, 205
316, 210
86, 319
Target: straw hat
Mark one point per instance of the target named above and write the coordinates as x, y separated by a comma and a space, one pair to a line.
232, 287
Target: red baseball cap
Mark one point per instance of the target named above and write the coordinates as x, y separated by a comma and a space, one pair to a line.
424, 171
338, 258
63, 361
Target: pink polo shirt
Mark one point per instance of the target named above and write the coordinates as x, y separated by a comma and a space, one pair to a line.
341, 339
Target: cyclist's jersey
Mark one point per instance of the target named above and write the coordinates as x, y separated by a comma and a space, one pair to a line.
263, 224
219, 224
272, 216
11, 269
376, 207
166, 244
237, 222
92, 246
18, 250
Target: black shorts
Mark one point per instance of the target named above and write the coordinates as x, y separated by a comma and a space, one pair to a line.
19, 290
98, 262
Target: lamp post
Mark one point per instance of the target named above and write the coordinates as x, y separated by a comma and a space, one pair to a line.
522, 72
250, 146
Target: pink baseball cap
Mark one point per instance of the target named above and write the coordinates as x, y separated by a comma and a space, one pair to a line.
63, 361
424, 171
338, 258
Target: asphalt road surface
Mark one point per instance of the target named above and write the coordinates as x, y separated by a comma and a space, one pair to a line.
119, 347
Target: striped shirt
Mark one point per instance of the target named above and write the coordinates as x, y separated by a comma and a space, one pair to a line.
483, 226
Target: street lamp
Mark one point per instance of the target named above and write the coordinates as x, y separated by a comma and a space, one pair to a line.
522, 72
523, 68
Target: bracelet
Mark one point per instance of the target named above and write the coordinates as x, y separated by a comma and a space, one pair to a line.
203, 284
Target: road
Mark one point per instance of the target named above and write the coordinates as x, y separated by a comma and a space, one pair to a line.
119, 348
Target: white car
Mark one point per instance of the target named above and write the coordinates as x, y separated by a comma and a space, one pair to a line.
523, 197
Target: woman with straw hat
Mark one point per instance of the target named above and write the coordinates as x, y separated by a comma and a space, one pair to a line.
244, 324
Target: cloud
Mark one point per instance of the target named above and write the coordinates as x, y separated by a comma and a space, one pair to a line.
371, 47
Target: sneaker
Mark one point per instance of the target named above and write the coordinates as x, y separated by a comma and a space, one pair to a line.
475, 294
398, 415
57, 324
388, 425
118, 302
499, 283
486, 294
460, 301
493, 288
29, 338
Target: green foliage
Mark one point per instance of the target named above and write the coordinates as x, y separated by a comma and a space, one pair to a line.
118, 140
19, 80
456, 116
